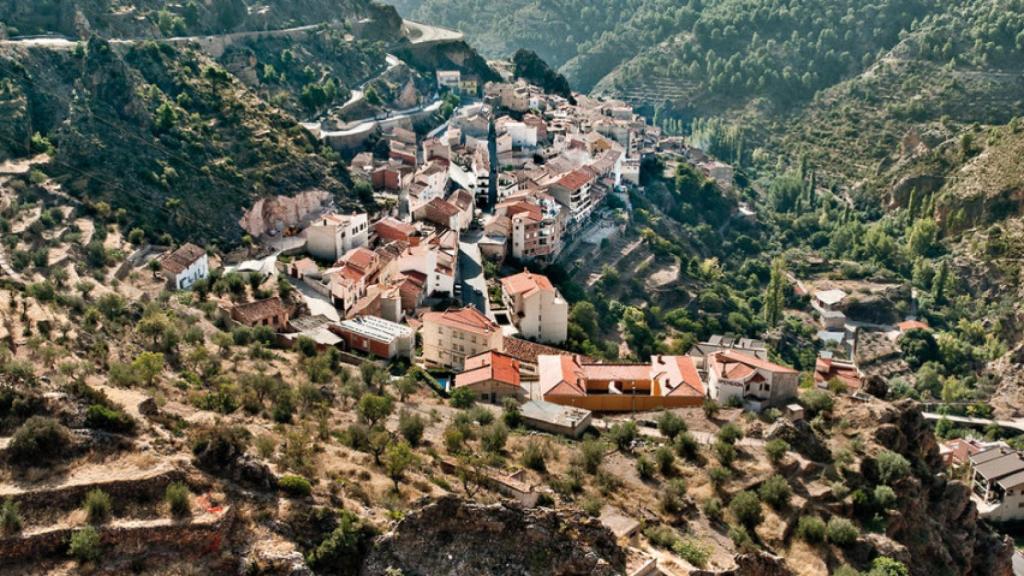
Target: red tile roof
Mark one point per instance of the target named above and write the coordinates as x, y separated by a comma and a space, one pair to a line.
912, 325
575, 180
467, 319
526, 283
252, 312
732, 356
489, 366
361, 258
526, 351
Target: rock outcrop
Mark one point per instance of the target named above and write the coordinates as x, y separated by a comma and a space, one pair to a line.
450, 536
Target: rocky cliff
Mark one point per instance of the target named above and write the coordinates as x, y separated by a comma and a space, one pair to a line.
449, 536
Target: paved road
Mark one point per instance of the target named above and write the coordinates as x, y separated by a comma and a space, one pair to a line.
471, 272
418, 33
1017, 424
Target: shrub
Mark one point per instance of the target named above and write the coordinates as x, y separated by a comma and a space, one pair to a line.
841, 531
10, 518
725, 452
673, 497
481, 415
101, 417
730, 433
356, 436
295, 486
661, 536
623, 434
885, 566
776, 450
644, 468
511, 413
885, 497
343, 550
411, 426
846, 570
666, 460
178, 499
592, 505
693, 551
85, 545
746, 507
719, 475
671, 424
219, 446
776, 492
462, 398
811, 529
591, 455
686, 446
740, 538
816, 401
493, 437
713, 508
891, 466
533, 456
97, 506
38, 439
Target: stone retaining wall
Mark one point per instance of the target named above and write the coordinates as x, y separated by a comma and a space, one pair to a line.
139, 488
199, 537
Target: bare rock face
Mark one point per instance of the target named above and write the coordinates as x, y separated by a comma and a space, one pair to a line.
279, 212
760, 564
800, 437
936, 521
450, 536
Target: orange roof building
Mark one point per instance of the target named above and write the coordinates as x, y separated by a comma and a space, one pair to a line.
664, 382
737, 377
492, 376
845, 372
451, 336
537, 309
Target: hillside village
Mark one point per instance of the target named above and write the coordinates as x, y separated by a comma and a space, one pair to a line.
398, 386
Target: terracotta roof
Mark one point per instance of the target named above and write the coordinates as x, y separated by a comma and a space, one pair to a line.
826, 369
179, 260
732, 356
443, 207
616, 372
259, 310
574, 180
462, 199
305, 266
489, 366
361, 258
912, 325
467, 319
395, 226
526, 283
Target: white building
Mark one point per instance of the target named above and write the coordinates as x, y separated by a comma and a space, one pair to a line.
331, 236
186, 265
997, 482
755, 382
536, 307
449, 79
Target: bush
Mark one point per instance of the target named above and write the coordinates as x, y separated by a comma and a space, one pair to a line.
725, 453
776, 492
811, 529
101, 417
719, 475
673, 497
493, 437
776, 450
511, 413
592, 505
686, 446
746, 507
38, 439
730, 433
693, 551
841, 531
462, 398
816, 401
666, 460
85, 545
342, 552
591, 455
481, 415
623, 434
713, 508
411, 426
846, 570
885, 497
178, 499
885, 566
661, 536
891, 466
454, 439
10, 518
644, 468
216, 447
533, 456
97, 506
295, 486
671, 424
